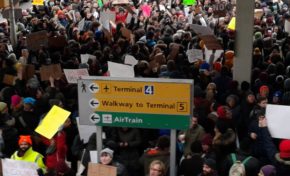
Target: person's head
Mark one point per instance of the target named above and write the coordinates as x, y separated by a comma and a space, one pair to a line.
251, 98
194, 120
262, 101
163, 142
284, 149
209, 166
264, 91
206, 142
3, 108
28, 103
16, 102
267, 170
157, 168
224, 112
24, 142
106, 156
25, 53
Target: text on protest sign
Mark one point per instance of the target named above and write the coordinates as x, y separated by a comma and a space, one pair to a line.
18, 168
120, 70
50, 70
101, 170
72, 75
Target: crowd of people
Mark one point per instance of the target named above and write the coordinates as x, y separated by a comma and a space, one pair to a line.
228, 132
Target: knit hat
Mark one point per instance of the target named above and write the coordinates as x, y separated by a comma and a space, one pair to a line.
15, 100
26, 139
268, 170
3, 106
206, 139
221, 112
279, 79
108, 151
263, 89
29, 100
210, 163
284, 148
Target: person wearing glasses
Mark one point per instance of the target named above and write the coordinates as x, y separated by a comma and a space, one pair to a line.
157, 168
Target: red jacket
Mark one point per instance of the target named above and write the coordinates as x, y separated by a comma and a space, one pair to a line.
56, 160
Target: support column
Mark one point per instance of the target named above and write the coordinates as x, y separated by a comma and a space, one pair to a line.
13, 37
244, 40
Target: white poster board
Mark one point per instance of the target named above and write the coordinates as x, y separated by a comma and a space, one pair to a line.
287, 27
194, 54
120, 70
72, 75
85, 131
106, 17
278, 121
208, 53
94, 156
130, 60
18, 168
81, 24
86, 57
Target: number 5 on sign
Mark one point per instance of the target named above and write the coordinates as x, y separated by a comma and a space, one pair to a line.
181, 106
149, 90
37, 2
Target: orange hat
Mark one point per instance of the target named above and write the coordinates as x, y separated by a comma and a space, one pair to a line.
26, 139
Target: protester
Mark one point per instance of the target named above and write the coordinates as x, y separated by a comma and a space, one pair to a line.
26, 153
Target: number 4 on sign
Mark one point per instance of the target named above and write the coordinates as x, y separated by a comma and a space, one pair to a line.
149, 90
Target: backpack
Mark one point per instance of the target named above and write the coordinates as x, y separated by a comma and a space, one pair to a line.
238, 167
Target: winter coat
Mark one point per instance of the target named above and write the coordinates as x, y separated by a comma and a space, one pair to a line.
129, 155
282, 166
191, 135
192, 166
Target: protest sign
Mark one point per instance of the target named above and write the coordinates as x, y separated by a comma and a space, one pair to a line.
85, 131
278, 121
232, 24
81, 24
119, 2
189, 2
194, 54
86, 57
28, 71
258, 13
101, 170
37, 2
9, 79
94, 156
219, 9
17, 12
52, 121
208, 53
10, 48
130, 60
287, 26
57, 42
50, 70
106, 17
146, 10
18, 168
201, 30
211, 42
72, 75
37, 39
120, 70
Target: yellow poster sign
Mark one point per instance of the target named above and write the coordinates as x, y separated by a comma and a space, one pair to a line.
37, 2
232, 24
52, 121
